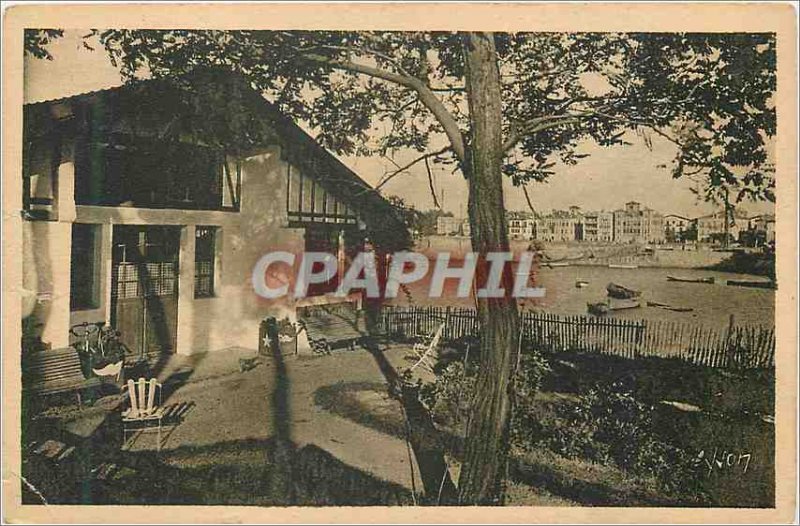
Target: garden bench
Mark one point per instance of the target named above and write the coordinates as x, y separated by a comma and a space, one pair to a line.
333, 325
55, 371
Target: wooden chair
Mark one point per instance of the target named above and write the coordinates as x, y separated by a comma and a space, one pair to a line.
145, 407
425, 350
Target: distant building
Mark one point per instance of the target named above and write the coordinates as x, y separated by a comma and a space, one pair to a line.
712, 226
675, 227
598, 226
447, 225
761, 229
559, 226
521, 226
635, 224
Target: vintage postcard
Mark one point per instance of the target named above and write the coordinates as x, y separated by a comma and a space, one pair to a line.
387, 262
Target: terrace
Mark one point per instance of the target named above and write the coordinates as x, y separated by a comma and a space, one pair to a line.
324, 430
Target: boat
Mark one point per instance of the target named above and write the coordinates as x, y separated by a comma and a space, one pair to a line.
691, 280
620, 292
598, 309
615, 265
602, 308
557, 264
623, 304
759, 284
669, 307
580, 283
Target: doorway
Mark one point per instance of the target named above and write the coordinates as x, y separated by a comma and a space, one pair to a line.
144, 288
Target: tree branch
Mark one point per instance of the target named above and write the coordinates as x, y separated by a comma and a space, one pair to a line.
400, 169
430, 184
528, 198
426, 96
537, 125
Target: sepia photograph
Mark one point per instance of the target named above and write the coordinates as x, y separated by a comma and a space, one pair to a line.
328, 262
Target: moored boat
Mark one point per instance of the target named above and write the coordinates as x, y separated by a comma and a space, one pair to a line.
666, 306
598, 309
759, 284
580, 283
601, 308
623, 304
691, 280
620, 292
615, 265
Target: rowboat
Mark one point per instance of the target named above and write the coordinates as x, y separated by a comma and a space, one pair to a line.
602, 308
598, 309
613, 265
625, 304
669, 307
691, 280
759, 284
620, 292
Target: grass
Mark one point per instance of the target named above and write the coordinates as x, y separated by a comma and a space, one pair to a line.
543, 477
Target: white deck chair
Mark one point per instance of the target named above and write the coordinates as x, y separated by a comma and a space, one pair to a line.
424, 350
145, 398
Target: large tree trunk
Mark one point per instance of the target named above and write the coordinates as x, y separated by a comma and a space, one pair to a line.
486, 450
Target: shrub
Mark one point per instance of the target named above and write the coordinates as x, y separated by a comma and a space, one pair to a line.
449, 397
608, 425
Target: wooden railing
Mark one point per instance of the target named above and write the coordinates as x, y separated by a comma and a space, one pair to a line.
739, 347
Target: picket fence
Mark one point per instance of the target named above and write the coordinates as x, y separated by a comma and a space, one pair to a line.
736, 347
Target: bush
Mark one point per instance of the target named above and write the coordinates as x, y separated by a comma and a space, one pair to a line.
449, 398
609, 426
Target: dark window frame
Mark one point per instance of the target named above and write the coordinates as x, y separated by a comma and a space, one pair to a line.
205, 261
85, 267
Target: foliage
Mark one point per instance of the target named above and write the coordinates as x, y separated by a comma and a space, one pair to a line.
37, 40
428, 221
379, 92
711, 95
608, 425
107, 349
449, 398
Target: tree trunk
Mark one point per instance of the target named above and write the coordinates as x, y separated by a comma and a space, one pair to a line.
486, 450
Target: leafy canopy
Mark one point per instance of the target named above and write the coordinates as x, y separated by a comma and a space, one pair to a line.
369, 93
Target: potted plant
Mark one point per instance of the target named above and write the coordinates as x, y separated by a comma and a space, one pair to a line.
287, 336
108, 356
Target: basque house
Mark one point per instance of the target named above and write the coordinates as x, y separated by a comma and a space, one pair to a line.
147, 207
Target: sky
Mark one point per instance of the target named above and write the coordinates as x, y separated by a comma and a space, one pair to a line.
605, 180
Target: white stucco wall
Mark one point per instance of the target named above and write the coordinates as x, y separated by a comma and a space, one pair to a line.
232, 316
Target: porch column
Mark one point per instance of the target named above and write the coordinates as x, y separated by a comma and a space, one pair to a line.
55, 243
106, 231
186, 291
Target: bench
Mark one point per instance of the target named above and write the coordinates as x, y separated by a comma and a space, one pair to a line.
333, 325
55, 371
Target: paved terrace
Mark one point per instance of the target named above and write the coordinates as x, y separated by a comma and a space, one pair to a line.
220, 403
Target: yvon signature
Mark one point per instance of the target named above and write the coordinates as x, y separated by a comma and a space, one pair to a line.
724, 460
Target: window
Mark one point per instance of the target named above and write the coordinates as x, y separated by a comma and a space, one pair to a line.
40, 178
142, 172
204, 254
84, 266
322, 238
307, 201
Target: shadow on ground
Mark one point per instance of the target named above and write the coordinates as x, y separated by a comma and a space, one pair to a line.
230, 473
